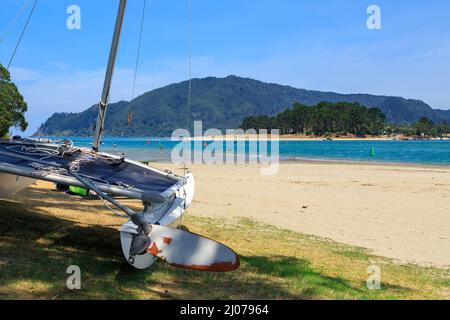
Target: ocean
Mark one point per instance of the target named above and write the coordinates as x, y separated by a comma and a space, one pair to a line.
416, 152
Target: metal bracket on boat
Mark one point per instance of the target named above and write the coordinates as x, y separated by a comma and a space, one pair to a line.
153, 197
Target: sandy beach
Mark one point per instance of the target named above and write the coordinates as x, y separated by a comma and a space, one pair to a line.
400, 212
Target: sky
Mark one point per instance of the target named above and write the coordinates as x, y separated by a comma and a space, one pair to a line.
313, 44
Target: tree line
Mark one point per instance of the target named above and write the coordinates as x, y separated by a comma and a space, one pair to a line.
424, 127
340, 118
322, 119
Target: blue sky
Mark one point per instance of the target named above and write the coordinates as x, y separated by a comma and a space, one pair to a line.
320, 45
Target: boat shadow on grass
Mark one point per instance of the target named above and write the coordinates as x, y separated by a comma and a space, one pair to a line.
36, 249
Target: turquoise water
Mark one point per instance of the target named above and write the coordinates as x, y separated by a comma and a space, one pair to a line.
419, 152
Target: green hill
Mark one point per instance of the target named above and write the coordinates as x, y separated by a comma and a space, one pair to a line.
221, 103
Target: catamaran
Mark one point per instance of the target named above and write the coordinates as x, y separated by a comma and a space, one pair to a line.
147, 235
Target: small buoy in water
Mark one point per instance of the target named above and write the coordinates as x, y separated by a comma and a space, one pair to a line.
147, 142
372, 152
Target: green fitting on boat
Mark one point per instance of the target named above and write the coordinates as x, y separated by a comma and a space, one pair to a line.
372, 152
79, 191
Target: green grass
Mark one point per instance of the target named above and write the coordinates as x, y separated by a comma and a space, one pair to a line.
36, 247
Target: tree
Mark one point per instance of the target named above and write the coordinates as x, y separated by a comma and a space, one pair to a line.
377, 121
424, 126
257, 123
284, 122
299, 114
12, 104
325, 118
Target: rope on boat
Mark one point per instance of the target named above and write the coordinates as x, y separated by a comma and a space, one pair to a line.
105, 203
45, 153
48, 169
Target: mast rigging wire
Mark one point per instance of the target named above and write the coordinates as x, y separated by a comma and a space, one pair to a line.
185, 169
14, 21
129, 120
22, 34
189, 60
139, 49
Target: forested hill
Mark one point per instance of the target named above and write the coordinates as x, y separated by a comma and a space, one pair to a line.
221, 103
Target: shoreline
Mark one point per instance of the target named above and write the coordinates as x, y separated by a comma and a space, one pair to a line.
288, 160
252, 137
246, 137
300, 159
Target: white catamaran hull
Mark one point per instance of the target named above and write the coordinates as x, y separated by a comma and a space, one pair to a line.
10, 184
172, 217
